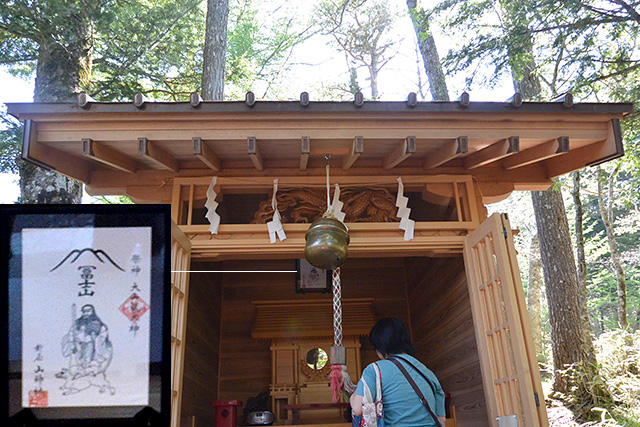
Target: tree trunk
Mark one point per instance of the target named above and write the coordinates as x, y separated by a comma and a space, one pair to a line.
568, 340
63, 68
533, 297
582, 265
606, 212
215, 50
373, 73
430, 57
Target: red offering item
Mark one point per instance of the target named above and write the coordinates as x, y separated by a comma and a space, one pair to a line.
226, 412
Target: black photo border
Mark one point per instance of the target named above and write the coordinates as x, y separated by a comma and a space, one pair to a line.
158, 217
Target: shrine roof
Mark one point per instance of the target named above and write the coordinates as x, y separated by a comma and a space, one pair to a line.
503, 145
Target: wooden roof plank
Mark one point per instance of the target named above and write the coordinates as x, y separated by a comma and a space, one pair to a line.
254, 153
605, 150
151, 151
51, 158
450, 151
492, 153
538, 153
305, 150
206, 155
357, 148
107, 156
402, 151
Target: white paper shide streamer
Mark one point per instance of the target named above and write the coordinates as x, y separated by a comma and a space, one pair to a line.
275, 226
212, 205
336, 206
406, 224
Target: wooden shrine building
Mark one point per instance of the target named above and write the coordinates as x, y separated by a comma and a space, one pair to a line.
237, 333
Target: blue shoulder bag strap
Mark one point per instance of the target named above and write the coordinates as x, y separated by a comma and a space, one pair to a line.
415, 387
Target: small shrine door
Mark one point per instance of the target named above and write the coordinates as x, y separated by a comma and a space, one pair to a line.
180, 264
507, 357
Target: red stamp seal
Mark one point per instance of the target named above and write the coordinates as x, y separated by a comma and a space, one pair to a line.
38, 398
134, 307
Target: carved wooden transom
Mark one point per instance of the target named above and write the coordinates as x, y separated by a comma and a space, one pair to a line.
306, 205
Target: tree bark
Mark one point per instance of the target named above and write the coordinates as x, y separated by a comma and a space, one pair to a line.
63, 68
606, 212
215, 50
534, 296
430, 57
582, 266
568, 337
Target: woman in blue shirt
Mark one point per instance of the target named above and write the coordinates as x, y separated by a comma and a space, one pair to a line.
402, 406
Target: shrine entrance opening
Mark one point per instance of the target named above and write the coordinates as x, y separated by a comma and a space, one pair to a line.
248, 331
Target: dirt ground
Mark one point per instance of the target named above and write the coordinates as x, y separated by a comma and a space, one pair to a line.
559, 416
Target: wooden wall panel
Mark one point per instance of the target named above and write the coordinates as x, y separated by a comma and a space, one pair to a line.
245, 363
202, 347
442, 329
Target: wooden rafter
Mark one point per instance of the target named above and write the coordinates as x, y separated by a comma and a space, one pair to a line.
107, 156
539, 152
492, 153
357, 148
403, 150
450, 151
151, 151
254, 153
305, 150
206, 155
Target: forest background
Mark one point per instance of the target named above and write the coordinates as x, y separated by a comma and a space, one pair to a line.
385, 49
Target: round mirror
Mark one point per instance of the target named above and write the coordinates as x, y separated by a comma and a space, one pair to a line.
317, 358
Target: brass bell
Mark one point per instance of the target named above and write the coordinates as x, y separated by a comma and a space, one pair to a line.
326, 243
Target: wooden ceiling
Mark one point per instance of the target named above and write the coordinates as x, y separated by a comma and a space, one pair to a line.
116, 147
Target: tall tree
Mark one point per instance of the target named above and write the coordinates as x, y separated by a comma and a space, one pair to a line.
570, 336
60, 40
534, 297
361, 28
215, 50
606, 212
73, 46
429, 52
581, 261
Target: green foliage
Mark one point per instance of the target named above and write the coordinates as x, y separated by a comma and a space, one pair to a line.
111, 200
619, 357
153, 47
259, 46
10, 143
362, 30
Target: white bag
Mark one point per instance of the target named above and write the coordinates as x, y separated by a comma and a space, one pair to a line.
371, 410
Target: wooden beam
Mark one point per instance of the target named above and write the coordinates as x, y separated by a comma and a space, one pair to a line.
305, 150
206, 155
405, 149
51, 158
254, 153
492, 153
357, 148
150, 150
539, 152
107, 156
450, 151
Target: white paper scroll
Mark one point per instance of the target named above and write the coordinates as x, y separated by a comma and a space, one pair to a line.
212, 205
336, 206
406, 224
78, 349
275, 225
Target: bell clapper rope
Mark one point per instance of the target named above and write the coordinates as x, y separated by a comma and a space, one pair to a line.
338, 361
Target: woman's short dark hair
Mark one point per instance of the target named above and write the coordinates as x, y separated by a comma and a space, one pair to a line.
391, 336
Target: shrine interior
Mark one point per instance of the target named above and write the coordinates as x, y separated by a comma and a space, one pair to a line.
224, 361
